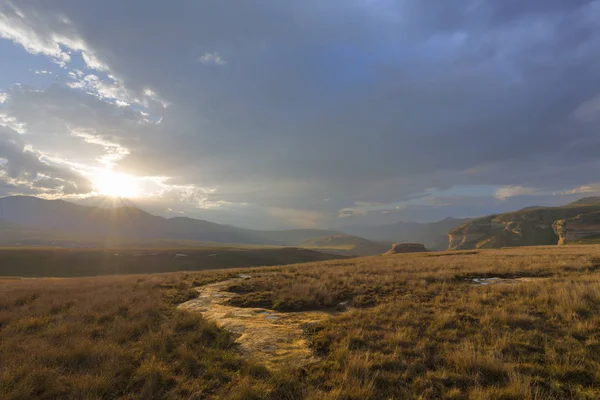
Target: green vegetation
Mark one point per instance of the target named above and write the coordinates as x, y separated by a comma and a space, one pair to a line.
417, 327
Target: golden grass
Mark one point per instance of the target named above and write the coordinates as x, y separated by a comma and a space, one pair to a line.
418, 329
109, 337
422, 329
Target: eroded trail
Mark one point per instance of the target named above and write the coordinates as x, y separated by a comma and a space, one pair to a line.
272, 338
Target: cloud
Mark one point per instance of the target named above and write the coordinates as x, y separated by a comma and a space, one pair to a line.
54, 120
111, 91
114, 151
505, 192
31, 31
212, 59
584, 190
378, 102
56, 37
8, 121
589, 110
349, 212
151, 94
197, 197
25, 169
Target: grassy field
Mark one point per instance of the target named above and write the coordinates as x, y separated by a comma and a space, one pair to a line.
416, 327
48, 262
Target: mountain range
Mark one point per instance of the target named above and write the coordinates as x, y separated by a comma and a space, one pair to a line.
35, 221
58, 216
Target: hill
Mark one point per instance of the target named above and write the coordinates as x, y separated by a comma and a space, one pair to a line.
11, 234
345, 245
42, 222
63, 217
586, 201
526, 227
402, 248
433, 235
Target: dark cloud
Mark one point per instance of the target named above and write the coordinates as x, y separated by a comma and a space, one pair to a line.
349, 101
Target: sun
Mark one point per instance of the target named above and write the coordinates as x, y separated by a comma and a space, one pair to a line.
114, 184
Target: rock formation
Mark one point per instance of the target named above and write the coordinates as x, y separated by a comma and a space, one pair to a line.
580, 228
527, 227
400, 248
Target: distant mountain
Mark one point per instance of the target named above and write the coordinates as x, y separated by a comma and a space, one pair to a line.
586, 201
530, 208
530, 226
58, 218
106, 202
432, 235
11, 234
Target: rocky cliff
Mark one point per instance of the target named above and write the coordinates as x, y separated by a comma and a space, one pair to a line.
527, 227
582, 228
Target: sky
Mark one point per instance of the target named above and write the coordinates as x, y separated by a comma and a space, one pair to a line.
314, 113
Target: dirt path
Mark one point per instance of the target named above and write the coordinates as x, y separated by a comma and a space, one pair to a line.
272, 338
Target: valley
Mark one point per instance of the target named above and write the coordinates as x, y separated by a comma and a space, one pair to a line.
44, 262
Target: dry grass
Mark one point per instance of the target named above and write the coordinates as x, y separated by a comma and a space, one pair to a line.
419, 330
111, 337
423, 330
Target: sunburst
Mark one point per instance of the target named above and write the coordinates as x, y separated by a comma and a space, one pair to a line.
114, 184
